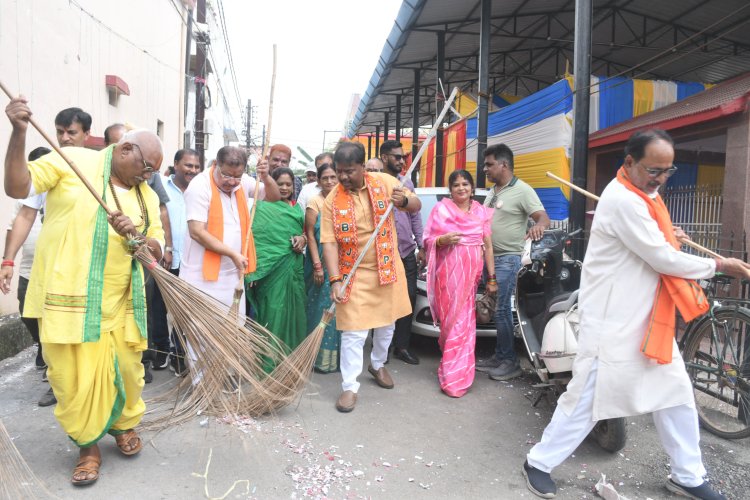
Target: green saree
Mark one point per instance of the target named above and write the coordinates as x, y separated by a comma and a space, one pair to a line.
276, 289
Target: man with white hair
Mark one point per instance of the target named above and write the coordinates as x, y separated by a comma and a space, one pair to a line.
85, 289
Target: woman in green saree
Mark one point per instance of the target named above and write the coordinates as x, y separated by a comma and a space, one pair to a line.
316, 278
276, 289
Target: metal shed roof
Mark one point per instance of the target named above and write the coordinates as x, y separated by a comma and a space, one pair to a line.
531, 40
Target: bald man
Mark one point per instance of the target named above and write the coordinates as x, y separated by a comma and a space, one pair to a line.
85, 289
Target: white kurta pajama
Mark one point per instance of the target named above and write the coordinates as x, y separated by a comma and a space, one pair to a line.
197, 201
626, 255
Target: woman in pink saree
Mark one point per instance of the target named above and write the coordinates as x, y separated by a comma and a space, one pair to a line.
458, 243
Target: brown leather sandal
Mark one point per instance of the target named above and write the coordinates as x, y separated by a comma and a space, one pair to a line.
86, 465
127, 439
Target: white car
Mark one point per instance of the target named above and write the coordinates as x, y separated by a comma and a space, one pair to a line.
421, 322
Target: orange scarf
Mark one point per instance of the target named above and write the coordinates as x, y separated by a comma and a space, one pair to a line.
671, 293
212, 260
345, 231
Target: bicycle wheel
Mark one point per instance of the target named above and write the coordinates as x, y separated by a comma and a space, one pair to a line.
717, 359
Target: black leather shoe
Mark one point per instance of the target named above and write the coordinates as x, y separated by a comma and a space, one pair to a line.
405, 356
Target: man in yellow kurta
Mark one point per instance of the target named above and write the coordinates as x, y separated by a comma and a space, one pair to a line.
85, 289
377, 295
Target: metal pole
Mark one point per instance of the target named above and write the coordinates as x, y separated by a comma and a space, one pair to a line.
188, 42
377, 140
439, 137
484, 83
415, 123
398, 117
386, 126
582, 70
369, 146
200, 82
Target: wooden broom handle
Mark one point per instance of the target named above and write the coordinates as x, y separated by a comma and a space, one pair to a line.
264, 153
59, 151
594, 197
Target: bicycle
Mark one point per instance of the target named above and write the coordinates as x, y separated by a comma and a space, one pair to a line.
716, 351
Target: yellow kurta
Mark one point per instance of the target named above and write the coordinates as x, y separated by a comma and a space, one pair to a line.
370, 305
97, 376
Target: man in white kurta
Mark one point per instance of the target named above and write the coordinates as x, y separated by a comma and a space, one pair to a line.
627, 253
229, 176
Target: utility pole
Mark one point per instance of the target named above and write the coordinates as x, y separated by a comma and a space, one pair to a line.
248, 125
200, 83
188, 41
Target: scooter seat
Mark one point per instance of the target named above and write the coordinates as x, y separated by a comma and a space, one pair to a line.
564, 304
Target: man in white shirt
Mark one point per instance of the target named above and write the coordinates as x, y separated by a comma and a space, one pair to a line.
311, 189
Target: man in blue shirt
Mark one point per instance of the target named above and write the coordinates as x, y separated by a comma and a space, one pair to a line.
186, 166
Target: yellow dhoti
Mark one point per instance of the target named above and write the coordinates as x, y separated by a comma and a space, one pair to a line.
88, 296
98, 386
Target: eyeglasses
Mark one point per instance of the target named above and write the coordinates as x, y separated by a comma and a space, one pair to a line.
397, 157
147, 168
230, 177
656, 172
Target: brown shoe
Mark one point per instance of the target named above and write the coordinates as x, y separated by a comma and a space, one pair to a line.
382, 377
346, 401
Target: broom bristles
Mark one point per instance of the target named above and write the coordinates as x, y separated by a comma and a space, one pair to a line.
17, 480
221, 350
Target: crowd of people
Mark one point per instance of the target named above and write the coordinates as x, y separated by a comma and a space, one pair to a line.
100, 323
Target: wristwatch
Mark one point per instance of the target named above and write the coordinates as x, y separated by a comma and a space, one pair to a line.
167, 249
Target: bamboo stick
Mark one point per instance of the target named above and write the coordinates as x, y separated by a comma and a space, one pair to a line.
65, 157
594, 197
240, 287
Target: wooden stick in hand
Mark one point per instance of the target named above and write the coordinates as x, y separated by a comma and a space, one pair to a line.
594, 197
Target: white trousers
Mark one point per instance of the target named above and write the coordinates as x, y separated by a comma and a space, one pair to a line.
352, 350
677, 428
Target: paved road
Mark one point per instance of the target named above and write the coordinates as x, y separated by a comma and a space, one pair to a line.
408, 442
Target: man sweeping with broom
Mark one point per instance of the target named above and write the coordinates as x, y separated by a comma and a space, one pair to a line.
377, 295
85, 289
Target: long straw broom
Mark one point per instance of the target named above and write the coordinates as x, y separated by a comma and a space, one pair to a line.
224, 348
291, 375
17, 480
594, 197
240, 287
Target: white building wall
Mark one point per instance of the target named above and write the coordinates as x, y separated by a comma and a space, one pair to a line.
57, 53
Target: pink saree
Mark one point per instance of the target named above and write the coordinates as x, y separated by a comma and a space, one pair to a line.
453, 273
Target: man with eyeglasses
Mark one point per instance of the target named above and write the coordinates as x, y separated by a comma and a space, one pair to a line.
112, 135
86, 290
215, 256
514, 202
409, 231
634, 278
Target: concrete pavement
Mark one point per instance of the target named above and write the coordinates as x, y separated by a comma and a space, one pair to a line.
408, 442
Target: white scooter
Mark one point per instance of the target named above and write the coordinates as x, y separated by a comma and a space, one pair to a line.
547, 310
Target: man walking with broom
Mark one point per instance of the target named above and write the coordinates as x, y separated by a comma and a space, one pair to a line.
377, 295
85, 289
634, 279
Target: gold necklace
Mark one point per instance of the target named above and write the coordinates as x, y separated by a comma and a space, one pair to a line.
141, 205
